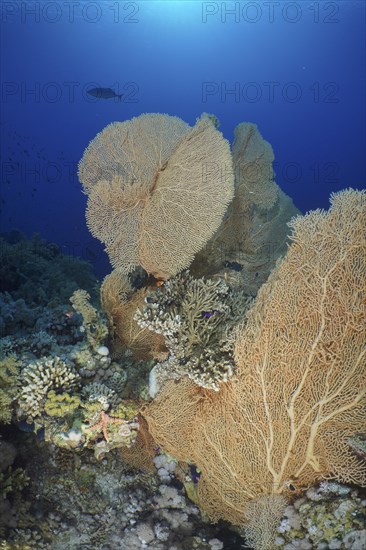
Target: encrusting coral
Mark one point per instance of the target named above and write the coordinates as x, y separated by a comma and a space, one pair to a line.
329, 516
60, 405
299, 390
157, 190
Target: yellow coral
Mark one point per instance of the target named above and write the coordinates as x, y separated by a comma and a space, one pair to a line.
254, 231
96, 330
13, 546
299, 392
9, 370
120, 304
157, 190
60, 405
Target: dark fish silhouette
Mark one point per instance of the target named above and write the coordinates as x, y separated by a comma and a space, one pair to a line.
233, 265
104, 93
90, 253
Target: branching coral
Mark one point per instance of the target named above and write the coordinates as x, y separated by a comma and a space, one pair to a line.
38, 379
94, 325
9, 371
193, 315
299, 390
157, 190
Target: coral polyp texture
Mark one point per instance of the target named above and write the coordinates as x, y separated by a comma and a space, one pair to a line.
194, 316
299, 390
157, 190
38, 379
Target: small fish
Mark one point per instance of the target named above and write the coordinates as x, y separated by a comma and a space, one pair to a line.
104, 93
233, 265
90, 253
208, 314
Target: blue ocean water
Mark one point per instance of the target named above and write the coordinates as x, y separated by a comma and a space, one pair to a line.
296, 69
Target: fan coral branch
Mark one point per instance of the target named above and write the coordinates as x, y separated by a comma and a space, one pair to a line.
299, 391
157, 190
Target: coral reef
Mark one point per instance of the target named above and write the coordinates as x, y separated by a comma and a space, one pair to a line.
35, 271
184, 387
93, 323
80, 502
13, 479
15, 314
332, 516
150, 182
299, 392
38, 379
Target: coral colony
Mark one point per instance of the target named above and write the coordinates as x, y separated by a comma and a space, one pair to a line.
210, 393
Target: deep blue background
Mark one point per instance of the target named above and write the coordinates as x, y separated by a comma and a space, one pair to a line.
163, 55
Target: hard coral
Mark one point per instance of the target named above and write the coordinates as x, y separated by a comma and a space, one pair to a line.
38, 379
9, 372
93, 322
193, 315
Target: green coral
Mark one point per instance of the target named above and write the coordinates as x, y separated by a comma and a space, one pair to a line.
12, 480
92, 410
13, 546
98, 392
93, 322
126, 410
329, 521
9, 371
60, 405
36, 271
